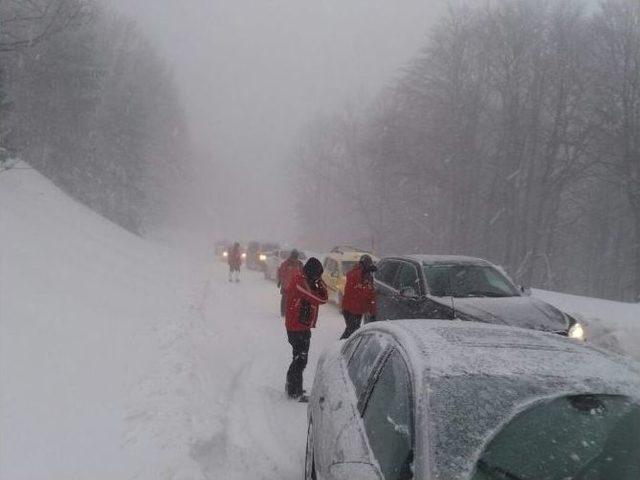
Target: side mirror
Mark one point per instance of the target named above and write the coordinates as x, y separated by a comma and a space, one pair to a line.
408, 292
526, 291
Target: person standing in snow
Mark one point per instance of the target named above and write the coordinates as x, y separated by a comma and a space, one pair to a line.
304, 294
359, 295
235, 261
285, 273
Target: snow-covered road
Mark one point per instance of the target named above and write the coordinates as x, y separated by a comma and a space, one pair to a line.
221, 384
123, 359
262, 433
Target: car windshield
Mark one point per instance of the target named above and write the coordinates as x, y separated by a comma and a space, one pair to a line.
585, 437
347, 266
467, 281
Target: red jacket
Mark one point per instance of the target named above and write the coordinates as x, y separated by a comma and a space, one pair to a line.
302, 303
235, 258
359, 293
285, 273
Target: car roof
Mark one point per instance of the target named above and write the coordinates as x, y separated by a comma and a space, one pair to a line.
437, 348
350, 256
442, 259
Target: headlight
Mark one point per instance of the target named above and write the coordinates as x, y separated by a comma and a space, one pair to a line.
263, 257
225, 254
244, 255
577, 332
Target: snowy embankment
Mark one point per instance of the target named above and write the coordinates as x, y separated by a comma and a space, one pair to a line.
120, 360
79, 301
612, 325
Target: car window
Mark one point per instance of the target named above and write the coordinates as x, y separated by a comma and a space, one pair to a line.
387, 420
408, 277
387, 272
347, 266
350, 346
362, 362
594, 437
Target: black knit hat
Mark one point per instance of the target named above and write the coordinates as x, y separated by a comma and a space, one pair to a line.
366, 262
313, 269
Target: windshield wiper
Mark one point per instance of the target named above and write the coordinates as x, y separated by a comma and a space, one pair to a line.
488, 294
497, 472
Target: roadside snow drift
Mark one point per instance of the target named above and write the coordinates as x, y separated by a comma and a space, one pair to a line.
79, 298
611, 325
119, 360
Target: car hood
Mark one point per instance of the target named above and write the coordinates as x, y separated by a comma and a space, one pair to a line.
525, 312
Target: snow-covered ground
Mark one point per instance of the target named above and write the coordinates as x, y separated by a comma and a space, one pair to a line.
122, 359
612, 325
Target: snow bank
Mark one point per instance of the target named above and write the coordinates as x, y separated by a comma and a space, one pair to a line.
613, 325
79, 297
120, 359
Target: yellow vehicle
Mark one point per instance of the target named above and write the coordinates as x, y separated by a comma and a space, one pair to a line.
336, 266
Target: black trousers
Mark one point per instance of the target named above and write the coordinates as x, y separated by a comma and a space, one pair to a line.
352, 322
299, 342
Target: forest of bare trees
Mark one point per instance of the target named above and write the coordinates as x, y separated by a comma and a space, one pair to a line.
85, 99
513, 135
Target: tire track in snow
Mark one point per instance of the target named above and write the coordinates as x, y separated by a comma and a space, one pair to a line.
264, 433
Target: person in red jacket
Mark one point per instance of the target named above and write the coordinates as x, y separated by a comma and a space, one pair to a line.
234, 259
304, 294
285, 273
359, 295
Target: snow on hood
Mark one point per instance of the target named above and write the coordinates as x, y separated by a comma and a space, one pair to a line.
525, 312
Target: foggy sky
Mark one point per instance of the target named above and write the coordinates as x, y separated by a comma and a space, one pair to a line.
252, 72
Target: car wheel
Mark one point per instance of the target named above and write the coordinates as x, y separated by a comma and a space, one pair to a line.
309, 458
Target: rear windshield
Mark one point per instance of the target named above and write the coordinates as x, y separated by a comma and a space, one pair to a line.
590, 437
347, 266
476, 433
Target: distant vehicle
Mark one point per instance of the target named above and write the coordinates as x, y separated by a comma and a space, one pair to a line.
460, 400
257, 254
274, 259
222, 248
465, 288
337, 264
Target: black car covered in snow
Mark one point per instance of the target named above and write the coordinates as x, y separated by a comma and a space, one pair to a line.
464, 288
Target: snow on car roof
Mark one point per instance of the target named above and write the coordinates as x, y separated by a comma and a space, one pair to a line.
447, 347
447, 259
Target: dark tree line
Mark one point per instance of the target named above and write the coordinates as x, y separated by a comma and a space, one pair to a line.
513, 135
85, 99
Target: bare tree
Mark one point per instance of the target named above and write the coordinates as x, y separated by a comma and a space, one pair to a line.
25, 23
617, 104
512, 135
